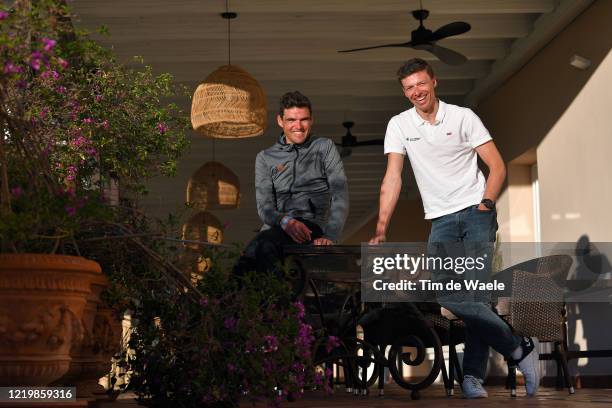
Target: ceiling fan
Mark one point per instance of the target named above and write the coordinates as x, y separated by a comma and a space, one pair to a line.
424, 39
349, 141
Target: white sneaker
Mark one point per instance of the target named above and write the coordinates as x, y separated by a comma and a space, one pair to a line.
529, 364
472, 388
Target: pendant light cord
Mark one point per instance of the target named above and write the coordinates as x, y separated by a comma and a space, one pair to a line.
229, 43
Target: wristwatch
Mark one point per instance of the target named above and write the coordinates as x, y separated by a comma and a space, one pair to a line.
285, 221
490, 204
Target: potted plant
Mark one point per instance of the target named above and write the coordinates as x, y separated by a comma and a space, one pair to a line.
72, 122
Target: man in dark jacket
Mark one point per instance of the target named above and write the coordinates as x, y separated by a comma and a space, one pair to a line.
301, 189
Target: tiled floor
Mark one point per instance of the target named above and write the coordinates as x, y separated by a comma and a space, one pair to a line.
435, 397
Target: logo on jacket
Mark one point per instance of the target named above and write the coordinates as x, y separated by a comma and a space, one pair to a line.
449, 133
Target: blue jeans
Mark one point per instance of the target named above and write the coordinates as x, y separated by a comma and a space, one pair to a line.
472, 232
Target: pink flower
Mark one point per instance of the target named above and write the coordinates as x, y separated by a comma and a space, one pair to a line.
3, 14
332, 343
35, 60
61, 90
230, 323
271, 344
161, 127
300, 307
71, 172
48, 44
50, 74
88, 120
71, 211
17, 191
318, 378
63, 63
43, 113
104, 125
99, 98
10, 68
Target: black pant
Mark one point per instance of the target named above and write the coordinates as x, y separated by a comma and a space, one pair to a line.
265, 252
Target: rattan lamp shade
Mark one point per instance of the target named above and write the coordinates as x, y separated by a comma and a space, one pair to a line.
203, 227
230, 103
213, 187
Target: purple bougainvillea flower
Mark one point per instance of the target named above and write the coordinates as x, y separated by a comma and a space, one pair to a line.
10, 68
35, 64
50, 74
17, 191
71, 211
301, 311
332, 343
3, 15
318, 378
271, 344
48, 44
88, 120
43, 113
161, 127
104, 125
35, 60
61, 90
63, 63
230, 323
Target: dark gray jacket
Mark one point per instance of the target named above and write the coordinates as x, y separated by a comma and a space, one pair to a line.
305, 181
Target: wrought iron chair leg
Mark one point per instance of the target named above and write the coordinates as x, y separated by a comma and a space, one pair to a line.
450, 389
563, 357
445, 378
512, 379
381, 374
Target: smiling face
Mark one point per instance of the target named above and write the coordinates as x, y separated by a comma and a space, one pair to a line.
296, 123
419, 88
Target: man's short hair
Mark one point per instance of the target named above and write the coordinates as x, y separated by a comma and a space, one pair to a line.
293, 99
414, 65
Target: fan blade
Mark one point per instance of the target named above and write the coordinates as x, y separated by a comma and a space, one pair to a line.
373, 142
345, 152
448, 30
407, 44
444, 54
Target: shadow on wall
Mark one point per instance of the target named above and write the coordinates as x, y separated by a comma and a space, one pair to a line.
586, 320
523, 110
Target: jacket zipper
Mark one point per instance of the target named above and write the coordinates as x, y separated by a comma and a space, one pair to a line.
297, 153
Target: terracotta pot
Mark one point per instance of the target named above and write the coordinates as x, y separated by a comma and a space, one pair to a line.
42, 300
91, 358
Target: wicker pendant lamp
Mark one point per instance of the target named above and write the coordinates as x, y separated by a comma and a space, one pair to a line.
213, 187
203, 227
230, 103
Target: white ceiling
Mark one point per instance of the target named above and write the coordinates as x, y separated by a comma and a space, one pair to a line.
288, 45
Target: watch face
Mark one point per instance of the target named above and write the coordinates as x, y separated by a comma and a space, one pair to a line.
488, 203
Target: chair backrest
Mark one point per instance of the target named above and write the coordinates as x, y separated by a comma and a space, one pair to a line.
537, 307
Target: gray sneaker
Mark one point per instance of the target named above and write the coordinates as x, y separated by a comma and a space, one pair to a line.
529, 364
472, 388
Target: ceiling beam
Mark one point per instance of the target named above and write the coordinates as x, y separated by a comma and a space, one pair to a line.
353, 27
114, 8
545, 29
196, 69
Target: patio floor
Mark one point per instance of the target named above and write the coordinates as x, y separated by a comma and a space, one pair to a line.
434, 397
